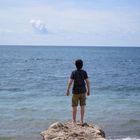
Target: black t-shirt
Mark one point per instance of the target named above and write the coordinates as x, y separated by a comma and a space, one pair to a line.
79, 77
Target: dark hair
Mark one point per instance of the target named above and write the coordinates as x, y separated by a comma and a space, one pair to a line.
79, 64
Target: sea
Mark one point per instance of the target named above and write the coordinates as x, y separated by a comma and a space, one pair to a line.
33, 81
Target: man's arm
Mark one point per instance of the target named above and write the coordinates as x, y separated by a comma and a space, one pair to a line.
88, 87
68, 87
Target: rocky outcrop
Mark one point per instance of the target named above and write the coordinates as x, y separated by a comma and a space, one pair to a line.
65, 131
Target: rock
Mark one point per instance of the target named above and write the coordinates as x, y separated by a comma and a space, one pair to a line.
66, 131
56, 125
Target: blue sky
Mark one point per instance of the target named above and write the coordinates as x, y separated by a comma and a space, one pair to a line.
70, 22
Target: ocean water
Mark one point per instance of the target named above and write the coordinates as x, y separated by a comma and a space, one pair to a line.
33, 81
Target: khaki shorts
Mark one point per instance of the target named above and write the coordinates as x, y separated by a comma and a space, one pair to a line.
79, 97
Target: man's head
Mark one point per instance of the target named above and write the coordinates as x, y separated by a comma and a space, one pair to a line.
79, 64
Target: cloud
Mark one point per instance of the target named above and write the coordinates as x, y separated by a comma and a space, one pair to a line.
39, 26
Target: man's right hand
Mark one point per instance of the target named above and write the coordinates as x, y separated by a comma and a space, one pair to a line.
68, 93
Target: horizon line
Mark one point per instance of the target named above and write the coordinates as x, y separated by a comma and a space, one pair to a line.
69, 45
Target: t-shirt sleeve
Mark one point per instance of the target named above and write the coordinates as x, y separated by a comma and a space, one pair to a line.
72, 75
85, 75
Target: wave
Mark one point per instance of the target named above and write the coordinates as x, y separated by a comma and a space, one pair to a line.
11, 89
131, 121
43, 59
7, 138
119, 88
127, 138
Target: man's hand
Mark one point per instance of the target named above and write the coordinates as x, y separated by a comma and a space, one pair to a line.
88, 93
88, 86
67, 93
68, 88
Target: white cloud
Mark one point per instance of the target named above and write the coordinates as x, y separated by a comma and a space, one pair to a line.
39, 26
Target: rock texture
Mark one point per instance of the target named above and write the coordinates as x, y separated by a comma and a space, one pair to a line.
60, 131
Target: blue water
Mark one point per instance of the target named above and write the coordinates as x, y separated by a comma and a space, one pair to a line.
33, 81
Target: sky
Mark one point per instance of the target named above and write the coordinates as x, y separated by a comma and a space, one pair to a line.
70, 22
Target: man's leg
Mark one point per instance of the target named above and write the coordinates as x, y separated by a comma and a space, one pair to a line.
74, 112
74, 108
82, 111
82, 106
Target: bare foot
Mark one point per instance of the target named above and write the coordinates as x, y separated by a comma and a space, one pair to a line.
84, 124
73, 124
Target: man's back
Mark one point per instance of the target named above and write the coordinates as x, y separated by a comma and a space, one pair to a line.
79, 77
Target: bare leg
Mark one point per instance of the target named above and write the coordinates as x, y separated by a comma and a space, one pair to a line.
74, 112
82, 111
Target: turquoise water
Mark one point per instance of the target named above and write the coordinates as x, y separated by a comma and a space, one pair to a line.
33, 81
